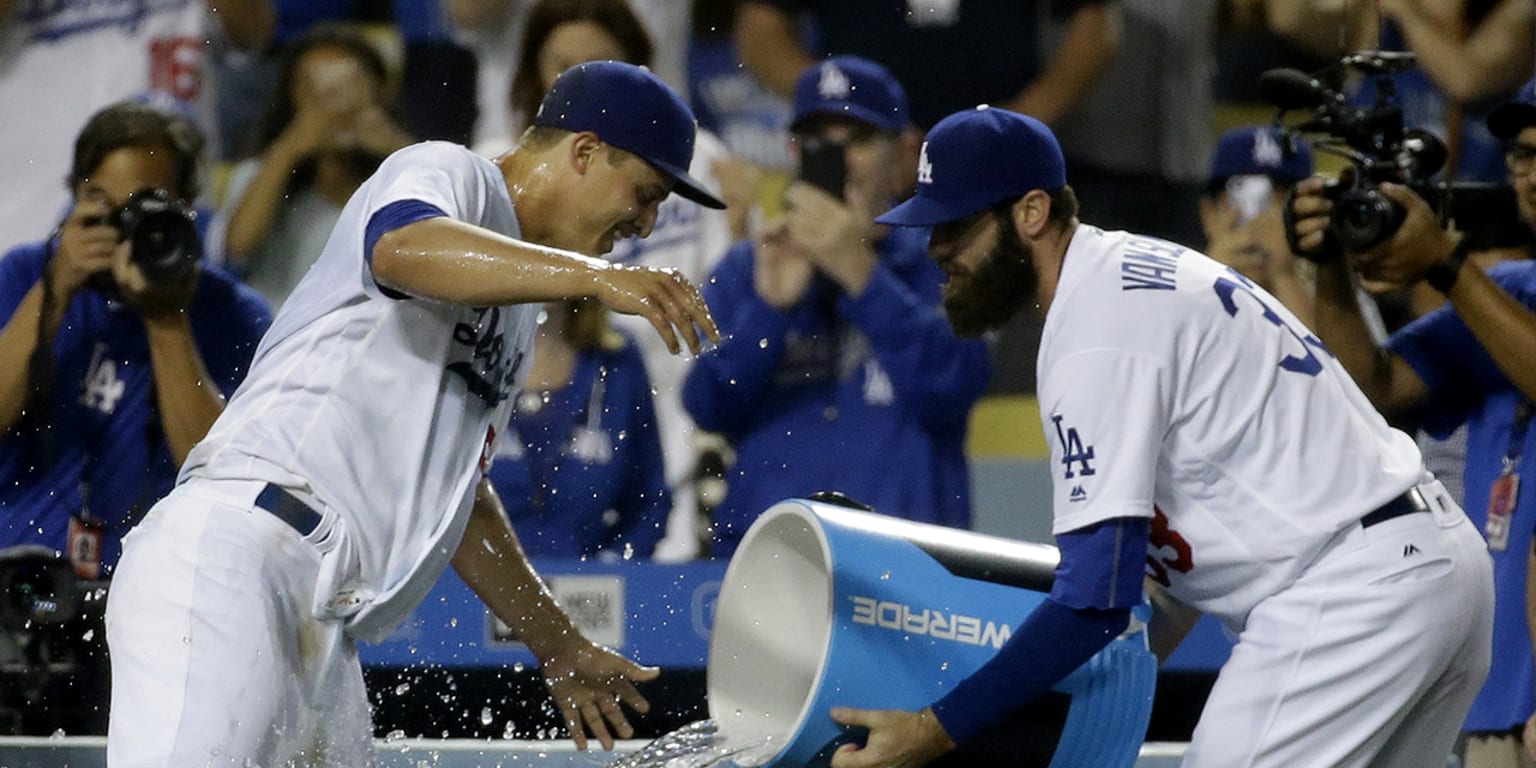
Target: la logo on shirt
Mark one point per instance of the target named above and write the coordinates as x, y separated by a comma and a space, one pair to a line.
1076, 457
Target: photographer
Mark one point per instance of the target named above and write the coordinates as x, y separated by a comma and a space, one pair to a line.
1471, 362
838, 371
118, 347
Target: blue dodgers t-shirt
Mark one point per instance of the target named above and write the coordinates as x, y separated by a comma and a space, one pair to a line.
102, 444
1466, 386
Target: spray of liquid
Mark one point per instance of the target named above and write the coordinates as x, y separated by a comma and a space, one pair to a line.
699, 745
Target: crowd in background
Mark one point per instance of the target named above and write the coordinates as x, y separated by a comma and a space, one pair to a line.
617, 449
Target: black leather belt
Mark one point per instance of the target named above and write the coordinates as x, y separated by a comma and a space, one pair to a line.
288, 508
1411, 500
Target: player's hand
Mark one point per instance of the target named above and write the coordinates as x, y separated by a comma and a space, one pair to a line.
835, 236
86, 245
588, 683
897, 739
1418, 244
781, 269
662, 296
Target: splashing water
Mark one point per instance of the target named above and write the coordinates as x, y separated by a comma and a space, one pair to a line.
699, 745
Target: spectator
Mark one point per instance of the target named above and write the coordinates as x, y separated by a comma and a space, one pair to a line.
107, 377
1138, 138
1251, 173
949, 55
729, 99
494, 30
580, 468
325, 134
1471, 362
64, 61
838, 372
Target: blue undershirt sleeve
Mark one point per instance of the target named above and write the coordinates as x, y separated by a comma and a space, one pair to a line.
389, 218
1097, 583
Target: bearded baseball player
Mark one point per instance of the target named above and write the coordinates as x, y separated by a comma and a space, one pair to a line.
348, 471
1200, 435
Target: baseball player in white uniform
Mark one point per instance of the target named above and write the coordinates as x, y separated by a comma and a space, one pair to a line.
1197, 427
347, 472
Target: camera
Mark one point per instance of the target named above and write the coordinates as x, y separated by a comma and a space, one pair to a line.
1381, 149
53, 661
163, 232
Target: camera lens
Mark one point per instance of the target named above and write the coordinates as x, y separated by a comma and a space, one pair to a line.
1364, 219
166, 245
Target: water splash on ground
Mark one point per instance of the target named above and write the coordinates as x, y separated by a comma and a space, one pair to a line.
699, 745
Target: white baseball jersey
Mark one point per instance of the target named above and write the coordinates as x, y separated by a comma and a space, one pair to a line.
382, 408
1172, 388
61, 62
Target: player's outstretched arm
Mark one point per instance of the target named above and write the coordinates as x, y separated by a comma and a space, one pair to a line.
588, 682
448, 260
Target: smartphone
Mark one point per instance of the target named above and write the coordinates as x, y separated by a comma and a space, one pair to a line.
824, 164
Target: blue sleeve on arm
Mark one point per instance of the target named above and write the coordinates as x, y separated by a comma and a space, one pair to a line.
1102, 564
389, 218
1097, 583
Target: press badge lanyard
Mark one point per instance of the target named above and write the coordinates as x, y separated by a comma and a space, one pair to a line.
1506, 488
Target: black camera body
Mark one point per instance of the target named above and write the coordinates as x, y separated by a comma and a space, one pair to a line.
1381, 149
163, 232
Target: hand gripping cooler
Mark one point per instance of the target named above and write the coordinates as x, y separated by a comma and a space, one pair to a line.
826, 606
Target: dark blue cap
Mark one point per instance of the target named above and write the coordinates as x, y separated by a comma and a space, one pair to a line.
1260, 150
975, 159
632, 109
1515, 115
854, 87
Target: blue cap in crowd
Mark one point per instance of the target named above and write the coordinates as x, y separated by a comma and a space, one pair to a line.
975, 159
632, 109
1515, 115
1260, 150
854, 87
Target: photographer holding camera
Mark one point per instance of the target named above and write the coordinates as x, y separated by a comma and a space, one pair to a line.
118, 346
1470, 362
837, 370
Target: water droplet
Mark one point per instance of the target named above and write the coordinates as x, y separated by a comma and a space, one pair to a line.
89, 633
762, 343
886, 576
486, 716
394, 736
509, 731
944, 666
56, 735
402, 689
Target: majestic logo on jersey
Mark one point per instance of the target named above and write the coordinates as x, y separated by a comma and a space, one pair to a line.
833, 83
489, 370
926, 621
1073, 452
1149, 264
924, 168
1078, 494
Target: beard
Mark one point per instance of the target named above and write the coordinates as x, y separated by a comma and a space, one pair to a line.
994, 293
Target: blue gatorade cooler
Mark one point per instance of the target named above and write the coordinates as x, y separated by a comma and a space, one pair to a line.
824, 605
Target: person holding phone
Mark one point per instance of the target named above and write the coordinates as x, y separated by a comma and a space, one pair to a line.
1252, 171
837, 371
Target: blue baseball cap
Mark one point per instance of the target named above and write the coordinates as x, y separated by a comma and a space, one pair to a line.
975, 159
1260, 150
632, 109
854, 87
1515, 115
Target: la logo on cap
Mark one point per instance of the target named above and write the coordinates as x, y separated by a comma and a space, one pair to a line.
1266, 151
833, 83
924, 168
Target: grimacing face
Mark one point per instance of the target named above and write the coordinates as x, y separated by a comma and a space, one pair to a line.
619, 198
